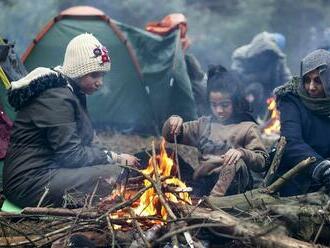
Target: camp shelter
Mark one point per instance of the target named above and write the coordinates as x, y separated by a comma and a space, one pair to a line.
11, 68
148, 81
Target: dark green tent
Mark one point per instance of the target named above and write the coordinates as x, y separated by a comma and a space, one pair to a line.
148, 81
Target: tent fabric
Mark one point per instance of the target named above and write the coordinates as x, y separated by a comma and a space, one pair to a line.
165, 73
170, 23
147, 83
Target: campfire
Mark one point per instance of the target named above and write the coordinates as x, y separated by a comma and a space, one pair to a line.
156, 211
162, 168
272, 126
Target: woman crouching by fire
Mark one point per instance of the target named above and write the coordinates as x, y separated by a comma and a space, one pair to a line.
228, 141
51, 155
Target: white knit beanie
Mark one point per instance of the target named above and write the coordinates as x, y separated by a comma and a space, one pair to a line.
85, 54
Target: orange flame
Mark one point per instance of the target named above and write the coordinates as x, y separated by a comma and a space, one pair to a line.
273, 124
149, 203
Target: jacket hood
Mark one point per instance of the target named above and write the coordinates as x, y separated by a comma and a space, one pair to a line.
24, 90
261, 43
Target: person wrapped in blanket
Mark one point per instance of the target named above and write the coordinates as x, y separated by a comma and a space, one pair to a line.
228, 141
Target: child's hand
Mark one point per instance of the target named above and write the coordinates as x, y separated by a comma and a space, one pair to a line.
129, 159
213, 159
175, 124
208, 165
232, 156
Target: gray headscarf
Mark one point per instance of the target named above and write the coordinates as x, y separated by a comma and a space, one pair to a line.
318, 59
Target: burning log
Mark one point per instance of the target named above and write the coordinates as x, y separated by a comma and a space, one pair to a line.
154, 200
160, 189
107, 203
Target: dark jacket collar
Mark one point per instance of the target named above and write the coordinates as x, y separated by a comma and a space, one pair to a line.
76, 90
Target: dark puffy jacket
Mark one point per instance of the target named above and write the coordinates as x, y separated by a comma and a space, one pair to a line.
307, 134
52, 130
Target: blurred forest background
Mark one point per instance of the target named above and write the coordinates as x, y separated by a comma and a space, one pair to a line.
216, 27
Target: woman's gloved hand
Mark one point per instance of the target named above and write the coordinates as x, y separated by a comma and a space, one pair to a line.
321, 173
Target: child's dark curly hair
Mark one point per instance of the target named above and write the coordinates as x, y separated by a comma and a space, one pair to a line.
221, 80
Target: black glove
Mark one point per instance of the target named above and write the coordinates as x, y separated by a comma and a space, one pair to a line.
321, 173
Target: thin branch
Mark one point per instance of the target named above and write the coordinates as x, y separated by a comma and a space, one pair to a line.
138, 227
247, 199
195, 207
60, 212
174, 238
126, 203
16, 230
184, 229
4, 233
45, 236
223, 235
126, 181
43, 196
177, 157
73, 225
322, 224
275, 186
112, 231
157, 186
276, 161
93, 194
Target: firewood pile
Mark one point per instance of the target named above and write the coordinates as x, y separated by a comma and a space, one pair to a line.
159, 212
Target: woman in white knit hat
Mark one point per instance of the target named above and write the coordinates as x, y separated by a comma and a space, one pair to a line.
51, 155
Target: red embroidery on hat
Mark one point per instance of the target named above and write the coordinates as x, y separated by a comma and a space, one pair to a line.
102, 52
105, 56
